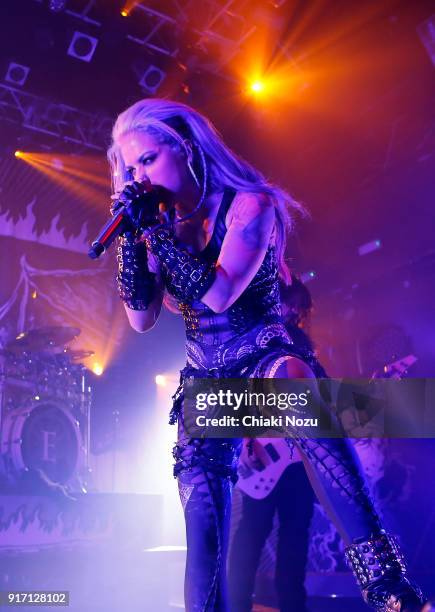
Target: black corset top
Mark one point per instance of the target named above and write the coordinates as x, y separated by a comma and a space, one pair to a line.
260, 302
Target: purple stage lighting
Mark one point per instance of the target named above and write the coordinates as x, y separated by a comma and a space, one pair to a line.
82, 46
152, 78
369, 247
17, 74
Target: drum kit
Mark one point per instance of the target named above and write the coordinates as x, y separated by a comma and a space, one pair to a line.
45, 406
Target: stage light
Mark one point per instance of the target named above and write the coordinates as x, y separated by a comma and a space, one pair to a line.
57, 5
152, 78
161, 380
124, 13
57, 164
97, 369
369, 247
306, 277
82, 46
17, 74
257, 86
19, 154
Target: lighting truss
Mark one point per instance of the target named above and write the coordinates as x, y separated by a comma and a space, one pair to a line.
150, 26
84, 11
225, 26
59, 120
81, 9
218, 28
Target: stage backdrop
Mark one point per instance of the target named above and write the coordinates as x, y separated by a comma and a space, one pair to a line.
48, 216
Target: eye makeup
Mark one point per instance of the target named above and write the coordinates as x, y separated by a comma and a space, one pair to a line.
147, 157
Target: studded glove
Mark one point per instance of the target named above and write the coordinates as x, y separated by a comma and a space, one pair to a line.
136, 284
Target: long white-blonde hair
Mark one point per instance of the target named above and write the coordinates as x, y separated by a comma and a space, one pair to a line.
176, 123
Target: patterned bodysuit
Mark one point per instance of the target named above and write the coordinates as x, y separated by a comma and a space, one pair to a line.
247, 340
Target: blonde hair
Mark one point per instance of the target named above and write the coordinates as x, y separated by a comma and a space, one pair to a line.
175, 123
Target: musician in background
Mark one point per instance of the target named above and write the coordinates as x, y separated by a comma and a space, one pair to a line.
291, 496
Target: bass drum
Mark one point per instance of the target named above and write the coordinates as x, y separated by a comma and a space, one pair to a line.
45, 437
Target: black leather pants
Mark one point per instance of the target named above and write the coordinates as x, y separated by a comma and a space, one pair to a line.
206, 469
292, 499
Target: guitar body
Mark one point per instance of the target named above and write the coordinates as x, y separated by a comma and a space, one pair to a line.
396, 369
260, 472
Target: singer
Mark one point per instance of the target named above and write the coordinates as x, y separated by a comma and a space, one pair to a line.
215, 249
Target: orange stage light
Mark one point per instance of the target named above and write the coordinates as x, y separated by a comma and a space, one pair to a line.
97, 368
257, 86
129, 5
85, 177
18, 154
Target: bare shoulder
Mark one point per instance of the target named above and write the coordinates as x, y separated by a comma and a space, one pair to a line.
251, 218
247, 206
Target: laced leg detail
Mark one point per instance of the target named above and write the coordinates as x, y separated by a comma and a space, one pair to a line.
337, 462
205, 471
336, 475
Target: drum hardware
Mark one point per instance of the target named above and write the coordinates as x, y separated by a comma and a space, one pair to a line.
45, 407
78, 354
42, 339
44, 437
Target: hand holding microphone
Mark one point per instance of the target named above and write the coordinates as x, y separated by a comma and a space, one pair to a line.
136, 208
141, 202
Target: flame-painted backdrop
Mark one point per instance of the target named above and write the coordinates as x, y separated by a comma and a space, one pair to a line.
47, 278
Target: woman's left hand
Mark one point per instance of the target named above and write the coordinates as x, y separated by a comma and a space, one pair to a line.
143, 202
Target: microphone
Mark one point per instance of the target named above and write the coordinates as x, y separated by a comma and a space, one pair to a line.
122, 221
115, 226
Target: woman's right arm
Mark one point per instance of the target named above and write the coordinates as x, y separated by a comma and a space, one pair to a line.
144, 320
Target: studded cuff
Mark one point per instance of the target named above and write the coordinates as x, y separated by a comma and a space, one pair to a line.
375, 558
136, 284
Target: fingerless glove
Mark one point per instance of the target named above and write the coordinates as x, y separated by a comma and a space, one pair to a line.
136, 284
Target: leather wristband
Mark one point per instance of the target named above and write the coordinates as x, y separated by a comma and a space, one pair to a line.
136, 284
372, 559
190, 276
380, 570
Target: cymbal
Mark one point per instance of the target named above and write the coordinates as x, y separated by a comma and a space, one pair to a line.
43, 338
79, 354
